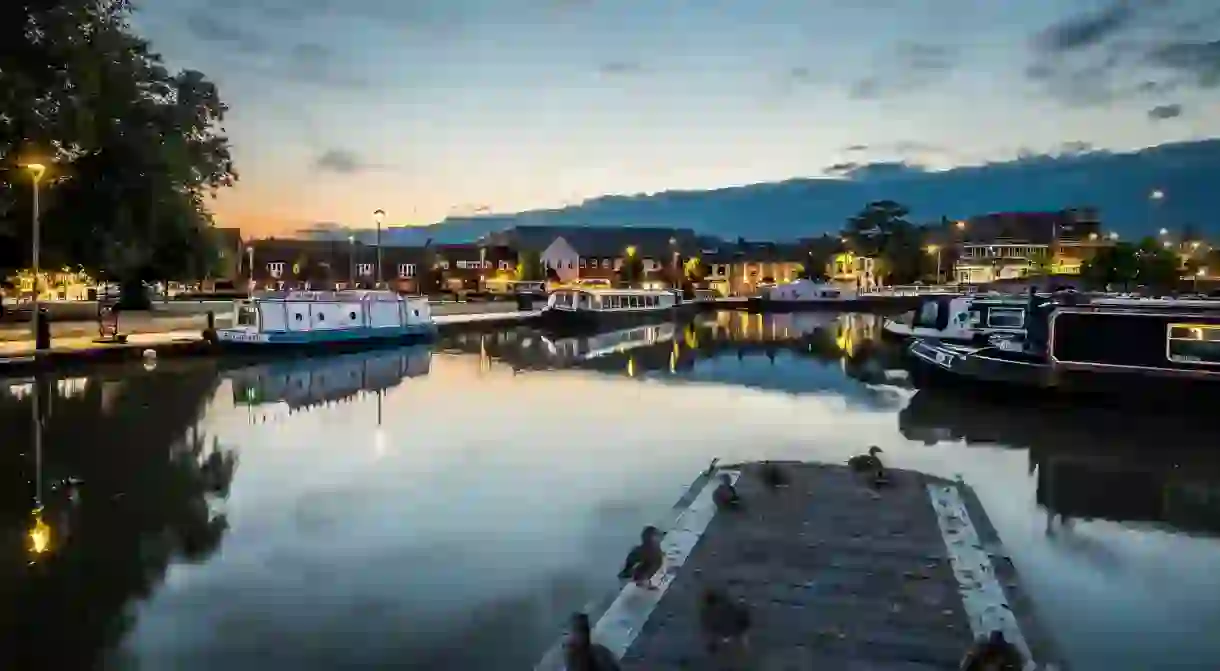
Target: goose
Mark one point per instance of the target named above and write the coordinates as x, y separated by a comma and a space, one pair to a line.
993, 653
867, 463
725, 496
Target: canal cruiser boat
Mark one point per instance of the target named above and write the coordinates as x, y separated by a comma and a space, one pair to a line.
600, 309
1153, 352
326, 320
961, 318
808, 294
314, 381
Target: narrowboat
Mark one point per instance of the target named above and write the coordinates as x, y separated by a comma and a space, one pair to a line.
329, 320
602, 309
810, 295
961, 318
1162, 351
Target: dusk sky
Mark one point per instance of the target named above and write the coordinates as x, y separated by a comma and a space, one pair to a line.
432, 107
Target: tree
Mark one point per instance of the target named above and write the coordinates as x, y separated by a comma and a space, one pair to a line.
632, 270
868, 231
819, 253
1111, 266
1156, 266
133, 151
529, 266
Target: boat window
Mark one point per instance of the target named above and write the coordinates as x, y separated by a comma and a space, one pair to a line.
321, 317
247, 316
1194, 343
928, 313
352, 315
299, 316
1008, 318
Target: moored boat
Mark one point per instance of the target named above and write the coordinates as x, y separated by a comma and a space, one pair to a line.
327, 320
601, 309
1157, 353
812, 295
961, 318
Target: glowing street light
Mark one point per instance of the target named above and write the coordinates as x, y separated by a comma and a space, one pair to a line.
37, 170
1157, 194
378, 217
1114, 236
935, 249
1164, 231
961, 225
351, 260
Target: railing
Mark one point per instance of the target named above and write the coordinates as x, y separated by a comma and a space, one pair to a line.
913, 290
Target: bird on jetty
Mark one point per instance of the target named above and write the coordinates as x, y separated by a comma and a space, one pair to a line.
711, 468
993, 653
725, 496
722, 620
580, 653
773, 475
645, 559
870, 465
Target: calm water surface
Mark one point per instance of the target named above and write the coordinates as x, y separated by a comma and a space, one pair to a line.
447, 508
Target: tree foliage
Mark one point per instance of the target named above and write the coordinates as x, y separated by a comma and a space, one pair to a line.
133, 151
881, 231
1124, 265
632, 270
529, 266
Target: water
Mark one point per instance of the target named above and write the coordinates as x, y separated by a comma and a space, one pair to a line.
448, 509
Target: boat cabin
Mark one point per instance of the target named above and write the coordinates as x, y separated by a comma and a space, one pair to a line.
1182, 342
611, 300
962, 316
330, 311
806, 290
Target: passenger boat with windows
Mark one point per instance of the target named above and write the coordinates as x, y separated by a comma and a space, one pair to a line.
813, 295
961, 318
1148, 349
327, 320
600, 309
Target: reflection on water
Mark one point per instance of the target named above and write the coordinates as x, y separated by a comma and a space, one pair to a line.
447, 509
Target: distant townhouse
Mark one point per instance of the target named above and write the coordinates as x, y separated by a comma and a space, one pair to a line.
467, 267
741, 268
1011, 245
275, 264
569, 253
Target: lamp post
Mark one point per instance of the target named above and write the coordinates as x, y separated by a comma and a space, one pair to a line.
935, 249
37, 170
351, 261
378, 216
677, 272
1154, 205
250, 265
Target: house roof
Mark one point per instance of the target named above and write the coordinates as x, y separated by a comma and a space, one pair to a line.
1031, 227
600, 241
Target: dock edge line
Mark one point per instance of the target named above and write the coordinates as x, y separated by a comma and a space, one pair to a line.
622, 622
982, 596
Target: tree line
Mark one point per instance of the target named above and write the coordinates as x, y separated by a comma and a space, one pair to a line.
133, 149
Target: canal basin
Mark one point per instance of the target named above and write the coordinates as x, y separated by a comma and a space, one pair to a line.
504, 483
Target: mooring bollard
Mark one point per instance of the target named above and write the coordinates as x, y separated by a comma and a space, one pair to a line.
42, 329
209, 333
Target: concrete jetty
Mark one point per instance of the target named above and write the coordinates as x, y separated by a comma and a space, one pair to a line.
836, 575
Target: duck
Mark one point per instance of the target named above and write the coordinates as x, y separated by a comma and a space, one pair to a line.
867, 463
725, 496
580, 653
993, 653
773, 475
721, 619
645, 559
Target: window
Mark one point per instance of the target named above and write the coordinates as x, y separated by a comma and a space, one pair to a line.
406, 270
506, 265
364, 269
582, 262
444, 265
1193, 343
275, 269
570, 265
247, 316
1006, 318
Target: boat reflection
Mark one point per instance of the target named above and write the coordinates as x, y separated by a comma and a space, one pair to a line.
1090, 463
850, 340
303, 383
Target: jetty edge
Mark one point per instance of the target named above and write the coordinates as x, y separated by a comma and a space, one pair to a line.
836, 576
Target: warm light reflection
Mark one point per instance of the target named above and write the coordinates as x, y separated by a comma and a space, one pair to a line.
630, 366
379, 442
40, 535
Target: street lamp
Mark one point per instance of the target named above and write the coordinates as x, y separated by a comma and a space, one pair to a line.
378, 216
37, 170
1164, 231
935, 249
351, 261
961, 225
1114, 235
250, 264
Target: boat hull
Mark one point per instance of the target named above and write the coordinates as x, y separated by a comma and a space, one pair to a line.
347, 340
871, 304
577, 322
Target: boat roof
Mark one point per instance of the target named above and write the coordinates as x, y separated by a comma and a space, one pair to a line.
346, 295
617, 292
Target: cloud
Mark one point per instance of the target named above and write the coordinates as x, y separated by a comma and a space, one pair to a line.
907, 67
855, 147
1162, 112
1127, 50
1086, 30
620, 68
879, 170
342, 161
208, 28
316, 64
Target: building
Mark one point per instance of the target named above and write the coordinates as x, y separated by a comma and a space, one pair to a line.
277, 264
569, 253
1012, 245
739, 269
229, 251
853, 269
467, 267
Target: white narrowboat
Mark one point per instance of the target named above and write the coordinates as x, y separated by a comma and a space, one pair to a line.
601, 309
961, 318
812, 295
327, 319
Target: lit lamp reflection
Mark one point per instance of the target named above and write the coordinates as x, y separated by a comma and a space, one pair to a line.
40, 534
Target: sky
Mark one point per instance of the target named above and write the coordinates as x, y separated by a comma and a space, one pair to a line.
429, 108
